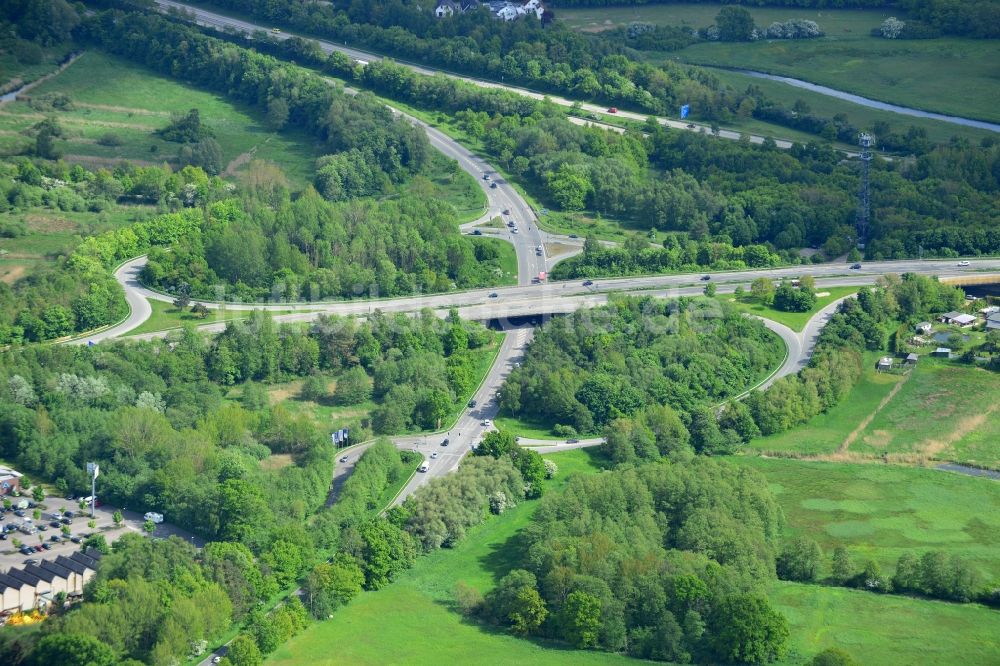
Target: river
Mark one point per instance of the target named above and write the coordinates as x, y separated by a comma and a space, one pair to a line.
970, 471
871, 103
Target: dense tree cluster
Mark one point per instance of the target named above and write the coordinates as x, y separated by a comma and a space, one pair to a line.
44, 22
310, 249
978, 18
594, 366
665, 561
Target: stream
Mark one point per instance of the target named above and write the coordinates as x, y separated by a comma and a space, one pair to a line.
970, 471
874, 104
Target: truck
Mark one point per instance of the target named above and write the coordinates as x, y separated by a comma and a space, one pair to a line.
153, 517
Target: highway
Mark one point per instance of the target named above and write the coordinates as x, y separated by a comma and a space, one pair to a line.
222, 22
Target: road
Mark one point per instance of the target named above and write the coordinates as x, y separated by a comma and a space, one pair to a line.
221, 22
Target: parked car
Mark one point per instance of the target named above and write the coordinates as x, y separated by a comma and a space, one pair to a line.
43, 527
66, 521
56, 524
31, 560
154, 517
472, 403
19, 513
55, 538
487, 423
573, 236
76, 539
855, 266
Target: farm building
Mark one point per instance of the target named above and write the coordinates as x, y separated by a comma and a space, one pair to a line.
884, 364
911, 359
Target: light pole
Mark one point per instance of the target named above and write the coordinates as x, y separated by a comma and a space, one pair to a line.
93, 469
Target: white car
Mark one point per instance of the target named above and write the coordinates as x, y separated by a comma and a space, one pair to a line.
487, 423
434, 454
963, 263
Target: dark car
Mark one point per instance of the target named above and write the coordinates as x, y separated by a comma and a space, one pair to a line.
477, 232
506, 211
855, 266
56, 524
55, 538
706, 277
47, 546
587, 283
493, 186
43, 527
19, 513
445, 441
31, 560
3, 536
76, 539
486, 176
573, 236
493, 294
572, 441
690, 125
472, 403
66, 521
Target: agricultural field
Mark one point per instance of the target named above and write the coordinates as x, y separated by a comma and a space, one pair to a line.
879, 511
920, 631
111, 96
947, 75
941, 411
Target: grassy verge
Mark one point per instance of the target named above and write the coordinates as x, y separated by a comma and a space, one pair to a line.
880, 511
507, 256
793, 320
525, 428
166, 317
885, 630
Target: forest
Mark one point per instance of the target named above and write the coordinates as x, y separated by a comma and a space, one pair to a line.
664, 561
585, 370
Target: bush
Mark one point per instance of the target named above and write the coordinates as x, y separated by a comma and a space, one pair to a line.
109, 139
564, 430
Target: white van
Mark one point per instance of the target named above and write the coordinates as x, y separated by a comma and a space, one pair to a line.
424, 466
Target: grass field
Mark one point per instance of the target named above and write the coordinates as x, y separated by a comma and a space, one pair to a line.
415, 621
947, 75
886, 630
113, 95
165, 317
793, 320
824, 434
455, 186
879, 511
14, 74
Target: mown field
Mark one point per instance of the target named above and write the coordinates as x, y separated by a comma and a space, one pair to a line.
879, 511
886, 630
113, 96
793, 320
946, 75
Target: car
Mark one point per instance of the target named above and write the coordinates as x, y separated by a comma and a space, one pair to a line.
690, 125
493, 186
572, 441
506, 211
66, 521
613, 109
47, 546
472, 403
19, 513
855, 267
704, 278
434, 454
43, 527
55, 538
487, 423
31, 560
3, 536
573, 236
511, 223
276, 30
444, 442
343, 459
76, 539
963, 263
71, 498
216, 659
56, 524
514, 230
588, 283
538, 247
493, 294
486, 176
477, 232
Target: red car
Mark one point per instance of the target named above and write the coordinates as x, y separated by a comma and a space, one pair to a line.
613, 109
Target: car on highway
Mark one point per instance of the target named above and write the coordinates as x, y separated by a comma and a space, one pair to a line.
613, 109
706, 277
588, 283
343, 459
963, 263
493, 294
434, 454
572, 441
477, 232
855, 267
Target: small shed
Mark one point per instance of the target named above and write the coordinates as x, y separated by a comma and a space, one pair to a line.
925, 327
958, 318
993, 321
884, 364
911, 359
943, 352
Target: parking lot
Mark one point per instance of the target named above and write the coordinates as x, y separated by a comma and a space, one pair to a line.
11, 556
